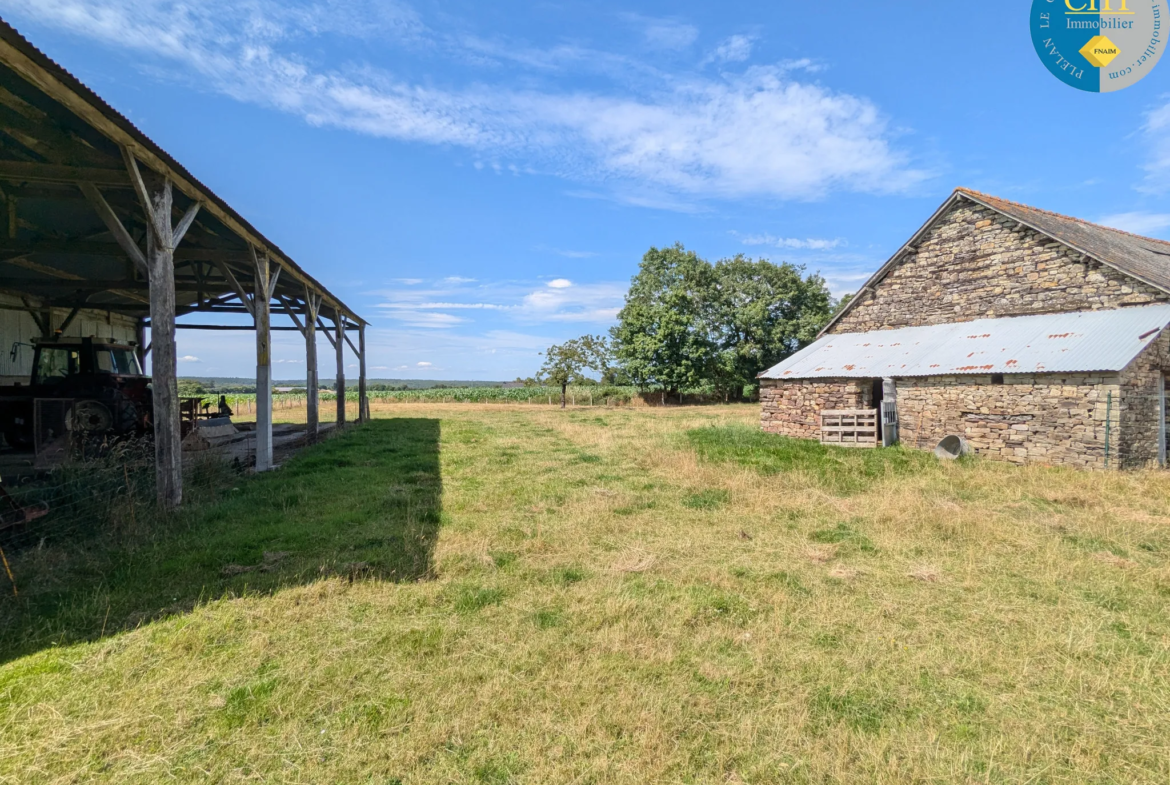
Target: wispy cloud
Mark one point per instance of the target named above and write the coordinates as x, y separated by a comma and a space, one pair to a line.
555, 300
187, 358
661, 33
807, 243
735, 49
568, 254
761, 132
1156, 130
1138, 222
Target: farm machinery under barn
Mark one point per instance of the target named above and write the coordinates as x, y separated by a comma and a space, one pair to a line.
79, 387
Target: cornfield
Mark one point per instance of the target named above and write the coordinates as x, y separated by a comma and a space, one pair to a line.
594, 395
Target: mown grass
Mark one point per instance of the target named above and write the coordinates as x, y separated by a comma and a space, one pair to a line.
696, 605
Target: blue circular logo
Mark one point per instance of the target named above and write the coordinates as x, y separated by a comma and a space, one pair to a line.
1101, 46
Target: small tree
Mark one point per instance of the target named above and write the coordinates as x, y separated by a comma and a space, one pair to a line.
566, 362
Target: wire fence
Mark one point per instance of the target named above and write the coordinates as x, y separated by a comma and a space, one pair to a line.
104, 492
102, 496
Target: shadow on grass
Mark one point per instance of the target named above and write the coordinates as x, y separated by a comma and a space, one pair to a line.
841, 470
366, 503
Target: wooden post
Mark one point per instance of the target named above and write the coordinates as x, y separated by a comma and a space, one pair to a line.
340, 344
161, 240
262, 316
312, 397
363, 403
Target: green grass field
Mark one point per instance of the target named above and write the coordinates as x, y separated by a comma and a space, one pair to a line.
484, 594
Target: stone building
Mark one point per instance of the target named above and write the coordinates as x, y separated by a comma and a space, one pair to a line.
1036, 336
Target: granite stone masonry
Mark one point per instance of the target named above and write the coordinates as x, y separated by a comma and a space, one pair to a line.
977, 262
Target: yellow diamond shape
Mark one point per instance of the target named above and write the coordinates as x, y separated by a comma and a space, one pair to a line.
1100, 51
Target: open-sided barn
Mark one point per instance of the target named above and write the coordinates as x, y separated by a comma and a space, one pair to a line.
1035, 336
106, 237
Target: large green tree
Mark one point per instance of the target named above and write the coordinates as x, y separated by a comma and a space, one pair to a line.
566, 363
663, 334
687, 323
762, 312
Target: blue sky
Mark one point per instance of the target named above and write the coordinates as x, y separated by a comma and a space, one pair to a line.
480, 180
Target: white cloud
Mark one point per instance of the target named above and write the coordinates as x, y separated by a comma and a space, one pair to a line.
597, 303
560, 283
808, 243
568, 254
423, 365
1157, 132
408, 281
735, 49
1138, 222
665, 33
293, 362
757, 133
442, 306
457, 279
427, 319
187, 358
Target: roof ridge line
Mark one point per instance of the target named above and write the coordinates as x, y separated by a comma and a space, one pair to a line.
1073, 218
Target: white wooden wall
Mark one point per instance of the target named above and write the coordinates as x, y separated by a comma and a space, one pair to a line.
18, 326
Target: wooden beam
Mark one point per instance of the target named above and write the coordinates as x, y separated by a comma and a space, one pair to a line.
134, 177
114, 224
288, 308
339, 345
43, 317
232, 327
30, 172
363, 401
97, 248
261, 313
325, 331
312, 384
69, 319
235, 284
168, 456
184, 224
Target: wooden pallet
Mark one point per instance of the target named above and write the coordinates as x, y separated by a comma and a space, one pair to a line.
850, 427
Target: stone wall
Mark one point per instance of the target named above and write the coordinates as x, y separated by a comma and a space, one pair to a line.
1047, 418
793, 407
975, 263
1141, 393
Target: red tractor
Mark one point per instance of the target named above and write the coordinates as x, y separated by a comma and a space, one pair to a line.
95, 387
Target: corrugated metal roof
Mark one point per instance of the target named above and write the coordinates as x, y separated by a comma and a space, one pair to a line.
1048, 343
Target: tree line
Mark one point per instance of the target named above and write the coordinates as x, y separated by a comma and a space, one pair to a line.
688, 324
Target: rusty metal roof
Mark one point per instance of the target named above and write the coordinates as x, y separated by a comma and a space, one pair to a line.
1082, 341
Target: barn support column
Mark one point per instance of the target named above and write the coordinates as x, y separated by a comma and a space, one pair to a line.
339, 344
363, 402
161, 240
312, 395
262, 316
